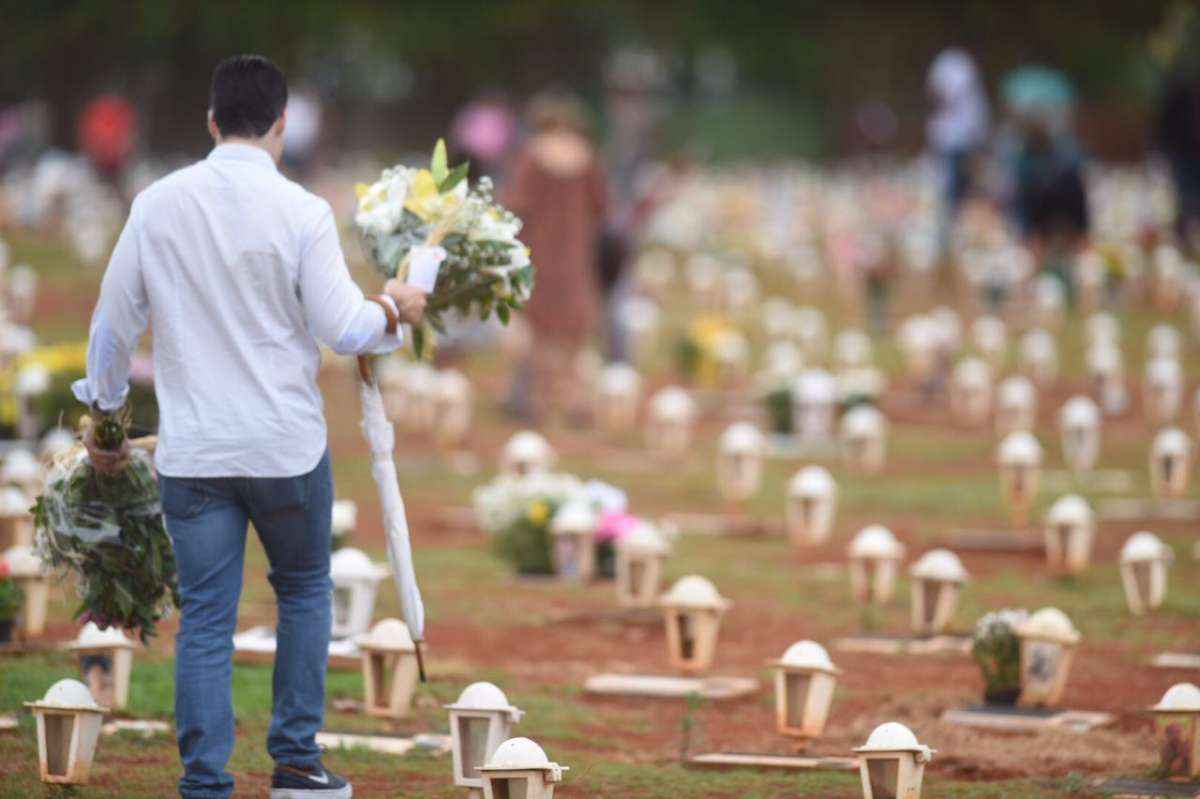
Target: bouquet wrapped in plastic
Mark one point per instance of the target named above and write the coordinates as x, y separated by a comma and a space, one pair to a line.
486, 269
108, 531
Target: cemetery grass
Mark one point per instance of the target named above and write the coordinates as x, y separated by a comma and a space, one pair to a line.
485, 623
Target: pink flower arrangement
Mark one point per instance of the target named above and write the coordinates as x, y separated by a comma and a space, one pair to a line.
614, 525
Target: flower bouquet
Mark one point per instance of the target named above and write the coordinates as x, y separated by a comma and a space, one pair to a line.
486, 268
997, 650
109, 531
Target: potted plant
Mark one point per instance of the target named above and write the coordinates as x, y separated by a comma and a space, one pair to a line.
997, 650
11, 599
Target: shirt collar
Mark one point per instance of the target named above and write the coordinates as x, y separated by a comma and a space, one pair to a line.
235, 151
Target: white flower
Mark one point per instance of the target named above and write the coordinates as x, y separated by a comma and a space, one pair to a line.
381, 205
491, 226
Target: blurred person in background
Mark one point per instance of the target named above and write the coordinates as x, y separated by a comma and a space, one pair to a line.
957, 130
1049, 200
107, 134
483, 132
1179, 126
302, 135
559, 188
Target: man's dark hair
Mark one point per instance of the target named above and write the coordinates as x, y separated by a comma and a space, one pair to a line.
248, 94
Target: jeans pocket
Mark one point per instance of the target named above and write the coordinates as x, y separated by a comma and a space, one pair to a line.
181, 497
279, 497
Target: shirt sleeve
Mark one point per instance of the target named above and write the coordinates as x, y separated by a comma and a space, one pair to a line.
118, 322
338, 314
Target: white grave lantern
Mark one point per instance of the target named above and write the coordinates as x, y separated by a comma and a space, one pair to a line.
892, 764
526, 453
22, 469
1107, 373
863, 435
355, 585
1089, 273
1144, 563
852, 349
68, 729
990, 337
619, 393
919, 338
31, 574
703, 274
1048, 641
809, 329
519, 769
1168, 277
1177, 724
971, 391
640, 557
1016, 405
22, 291
804, 682
1163, 390
874, 554
740, 462
937, 580
1019, 458
345, 518
693, 611
480, 721
420, 384
574, 530
1079, 431
655, 270
390, 669
731, 353
672, 418
777, 314
1162, 342
811, 502
16, 522
452, 407
1070, 529
32, 382
1102, 328
1039, 356
782, 361
949, 328
814, 396
641, 317
739, 289
1170, 463
56, 444
1048, 300
107, 657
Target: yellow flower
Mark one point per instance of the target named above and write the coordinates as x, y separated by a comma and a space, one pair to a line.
539, 512
428, 203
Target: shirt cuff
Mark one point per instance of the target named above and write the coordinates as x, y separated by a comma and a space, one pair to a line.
388, 343
86, 393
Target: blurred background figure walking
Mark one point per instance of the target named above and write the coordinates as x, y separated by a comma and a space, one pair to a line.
957, 131
559, 188
1179, 124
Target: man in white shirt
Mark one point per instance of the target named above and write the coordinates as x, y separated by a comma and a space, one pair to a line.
242, 274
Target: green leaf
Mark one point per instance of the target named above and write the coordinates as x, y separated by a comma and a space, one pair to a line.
437, 164
503, 313
456, 176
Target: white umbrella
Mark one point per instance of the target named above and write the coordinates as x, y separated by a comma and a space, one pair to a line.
381, 438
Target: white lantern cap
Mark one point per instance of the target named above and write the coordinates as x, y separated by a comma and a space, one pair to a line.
852, 347
782, 360
939, 564
1103, 358
527, 445
988, 332
863, 421
1050, 624
32, 380
20, 466
1172, 441
92, 637
349, 563
483, 696
1182, 697
23, 562
644, 539
619, 379
13, 502
815, 386
345, 515
876, 541
973, 373
67, 694
452, 385
1164, 370
522, 754
1070, 509
1102, 326
1019, 449
389, 635
694, 591
420, 379
742, 438
812, 481
919, 333
1038, 343
56, 443
673, 403
730, 348
807, 655
1080, 411
575, 517
1163, 341
1144, 546
949, 326
1016, 390
863, 381
894, 737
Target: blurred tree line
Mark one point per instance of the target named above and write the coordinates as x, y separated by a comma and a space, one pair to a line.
746, 77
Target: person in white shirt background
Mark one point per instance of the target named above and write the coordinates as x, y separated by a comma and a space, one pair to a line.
242, 274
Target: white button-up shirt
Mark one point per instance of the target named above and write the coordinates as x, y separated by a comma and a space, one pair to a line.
241, 272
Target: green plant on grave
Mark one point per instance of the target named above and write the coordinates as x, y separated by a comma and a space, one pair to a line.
997, 649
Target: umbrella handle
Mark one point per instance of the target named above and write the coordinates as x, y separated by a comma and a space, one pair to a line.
420, 660
366, 369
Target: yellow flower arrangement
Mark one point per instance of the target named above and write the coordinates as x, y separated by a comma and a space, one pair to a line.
539, 513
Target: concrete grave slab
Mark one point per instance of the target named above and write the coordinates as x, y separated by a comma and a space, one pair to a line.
661, 687
1022, 719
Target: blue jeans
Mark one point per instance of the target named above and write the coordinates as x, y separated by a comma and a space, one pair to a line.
207, 521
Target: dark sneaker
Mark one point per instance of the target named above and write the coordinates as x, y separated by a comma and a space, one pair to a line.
290, 782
